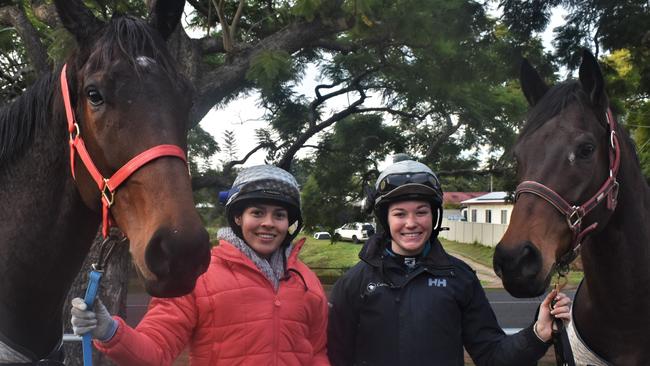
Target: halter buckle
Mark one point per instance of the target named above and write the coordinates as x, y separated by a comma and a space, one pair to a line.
74, 132
107, 194
574, 218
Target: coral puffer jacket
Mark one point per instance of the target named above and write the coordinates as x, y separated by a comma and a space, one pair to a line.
233, 317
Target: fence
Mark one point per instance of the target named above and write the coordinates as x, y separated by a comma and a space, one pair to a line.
469, 232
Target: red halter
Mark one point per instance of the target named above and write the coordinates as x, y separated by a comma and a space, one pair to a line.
575, 214
107, 186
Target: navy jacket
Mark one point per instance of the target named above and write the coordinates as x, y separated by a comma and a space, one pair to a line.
382, 313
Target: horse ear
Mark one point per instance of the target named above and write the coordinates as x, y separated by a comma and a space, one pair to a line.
78, 19
165, 15
532, 84
591, 79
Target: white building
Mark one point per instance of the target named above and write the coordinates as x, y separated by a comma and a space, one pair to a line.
490, 208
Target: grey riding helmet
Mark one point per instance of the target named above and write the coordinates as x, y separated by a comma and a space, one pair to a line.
407, 180
263, 184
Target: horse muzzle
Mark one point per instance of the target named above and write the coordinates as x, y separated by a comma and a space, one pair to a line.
176, 259
520, 267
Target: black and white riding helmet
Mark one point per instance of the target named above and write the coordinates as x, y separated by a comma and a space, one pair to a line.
264, 184
404, 181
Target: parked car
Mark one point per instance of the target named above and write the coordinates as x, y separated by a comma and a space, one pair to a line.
322, 235
355, 231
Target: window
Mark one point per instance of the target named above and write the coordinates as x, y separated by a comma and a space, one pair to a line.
504, 217
474, 215
488, 216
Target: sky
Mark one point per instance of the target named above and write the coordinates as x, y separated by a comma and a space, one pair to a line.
243, 116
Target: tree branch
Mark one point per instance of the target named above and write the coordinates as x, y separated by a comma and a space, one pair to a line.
235, 20
213, 180
449, 129
213, 86
287, 158
15, 16
419, 117
228, 166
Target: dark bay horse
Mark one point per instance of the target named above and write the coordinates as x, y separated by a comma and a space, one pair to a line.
582, 183
127, 97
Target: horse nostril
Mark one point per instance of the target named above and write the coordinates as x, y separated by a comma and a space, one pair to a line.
157, 257
496, 263
530, 261
178, 255
523, 260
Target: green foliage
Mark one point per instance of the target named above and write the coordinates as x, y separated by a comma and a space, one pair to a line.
347, 159
230, 148
306, 8
270, 68
201, 148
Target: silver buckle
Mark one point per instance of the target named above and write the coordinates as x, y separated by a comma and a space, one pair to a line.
574, 219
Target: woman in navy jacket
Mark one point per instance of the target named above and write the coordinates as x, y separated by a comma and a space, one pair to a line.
407, 302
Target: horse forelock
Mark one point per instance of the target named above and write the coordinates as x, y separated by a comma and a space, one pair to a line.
133, 40
558, 98
20, 119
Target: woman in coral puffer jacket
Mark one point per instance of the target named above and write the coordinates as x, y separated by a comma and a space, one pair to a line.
257, 304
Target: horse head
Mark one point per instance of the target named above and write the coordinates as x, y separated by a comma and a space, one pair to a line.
128, 97
564, 148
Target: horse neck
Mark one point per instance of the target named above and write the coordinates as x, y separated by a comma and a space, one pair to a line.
616, 260
45, 233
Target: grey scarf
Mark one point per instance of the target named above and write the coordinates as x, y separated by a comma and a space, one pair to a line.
272, 268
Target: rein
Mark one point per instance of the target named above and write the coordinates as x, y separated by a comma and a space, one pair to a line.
575, 214
107, 188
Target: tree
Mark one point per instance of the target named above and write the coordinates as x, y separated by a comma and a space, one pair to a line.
436, 66
347, 159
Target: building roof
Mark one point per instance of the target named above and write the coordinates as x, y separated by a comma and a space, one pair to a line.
492, 197
458, 197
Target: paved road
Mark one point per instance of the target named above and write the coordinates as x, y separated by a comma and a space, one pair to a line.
511, 312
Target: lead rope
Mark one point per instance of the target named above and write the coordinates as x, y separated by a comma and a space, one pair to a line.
94, 278
563, 353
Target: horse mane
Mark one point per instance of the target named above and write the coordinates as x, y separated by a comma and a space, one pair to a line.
129, 37
20, 119
555, 100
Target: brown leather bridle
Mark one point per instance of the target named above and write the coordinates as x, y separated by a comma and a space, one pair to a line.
107, 186
575, 214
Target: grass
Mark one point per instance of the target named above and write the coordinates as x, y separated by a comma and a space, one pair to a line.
479, 253
329, 261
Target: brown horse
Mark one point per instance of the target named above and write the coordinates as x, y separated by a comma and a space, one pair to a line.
568, 158
127, 97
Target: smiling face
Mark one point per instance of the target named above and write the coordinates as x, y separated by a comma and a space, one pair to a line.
264, 227
411, 225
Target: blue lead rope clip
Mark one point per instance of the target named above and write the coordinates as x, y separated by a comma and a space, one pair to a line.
94, 277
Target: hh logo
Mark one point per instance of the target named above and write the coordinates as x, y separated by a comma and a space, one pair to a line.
438, 282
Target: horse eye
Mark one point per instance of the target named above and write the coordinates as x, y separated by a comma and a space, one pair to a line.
585, 150
94, 97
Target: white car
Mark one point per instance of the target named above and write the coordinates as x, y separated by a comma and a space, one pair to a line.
322, 235
355, 231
